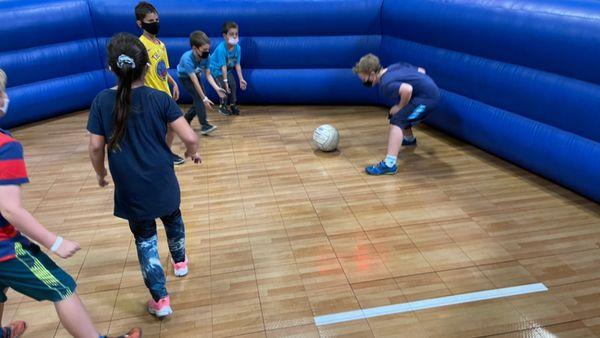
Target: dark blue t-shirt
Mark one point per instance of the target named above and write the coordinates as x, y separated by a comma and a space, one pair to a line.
142, 167
423, 86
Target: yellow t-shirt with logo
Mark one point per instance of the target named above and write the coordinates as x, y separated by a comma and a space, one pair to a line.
159, 65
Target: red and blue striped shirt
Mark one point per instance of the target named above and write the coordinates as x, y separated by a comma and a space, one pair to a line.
12, 172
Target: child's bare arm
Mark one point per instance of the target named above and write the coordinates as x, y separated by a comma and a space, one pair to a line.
188, 136
171, 80
11, 209
97, 151
243, 82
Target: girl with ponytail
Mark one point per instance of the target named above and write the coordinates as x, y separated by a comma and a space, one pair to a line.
130, 121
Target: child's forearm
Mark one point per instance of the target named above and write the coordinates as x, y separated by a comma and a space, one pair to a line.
224, 72
403, 101
197, 85
97, 158
211, 81
186, 134
28, 225
171, 80
238, 69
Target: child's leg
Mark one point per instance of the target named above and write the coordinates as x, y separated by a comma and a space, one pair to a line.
2, 301
233, 87
233, 98
146, 243
221, 83
175, 230
196, 100
408, 132
223, 105
398, 123
34, 274
201, 109
75, 317
189, 115
394, 140
14, 329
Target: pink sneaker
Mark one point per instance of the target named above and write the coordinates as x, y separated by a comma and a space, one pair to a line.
181, 269
14, 329
160, 309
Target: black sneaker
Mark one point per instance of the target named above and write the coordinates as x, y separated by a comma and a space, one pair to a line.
223, 110
177, 160
234, 109
207, 129
406, 143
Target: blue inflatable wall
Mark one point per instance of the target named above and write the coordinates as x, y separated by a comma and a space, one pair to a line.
519, 78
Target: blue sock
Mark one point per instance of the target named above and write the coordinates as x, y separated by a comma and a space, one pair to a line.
409, 138
390, 160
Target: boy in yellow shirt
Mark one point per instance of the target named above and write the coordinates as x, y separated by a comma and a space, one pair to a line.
158, 76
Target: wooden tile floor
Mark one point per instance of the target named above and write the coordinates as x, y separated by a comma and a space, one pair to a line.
278, 233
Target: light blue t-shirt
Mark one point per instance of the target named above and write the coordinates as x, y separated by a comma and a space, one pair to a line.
188, 64
221, 56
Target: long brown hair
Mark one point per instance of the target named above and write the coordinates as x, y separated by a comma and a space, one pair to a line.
127, 58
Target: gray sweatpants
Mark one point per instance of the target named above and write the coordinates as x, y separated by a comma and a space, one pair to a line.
231, 97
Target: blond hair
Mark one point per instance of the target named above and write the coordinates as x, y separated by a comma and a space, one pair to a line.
367, 64
2, 81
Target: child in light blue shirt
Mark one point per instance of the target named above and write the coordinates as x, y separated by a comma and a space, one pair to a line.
226, 57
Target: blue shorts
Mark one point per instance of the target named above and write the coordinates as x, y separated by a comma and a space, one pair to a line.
413, 113
35, 275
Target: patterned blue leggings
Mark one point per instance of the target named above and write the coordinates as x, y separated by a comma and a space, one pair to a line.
147, 249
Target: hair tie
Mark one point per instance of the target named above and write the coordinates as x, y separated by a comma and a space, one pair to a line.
124, 59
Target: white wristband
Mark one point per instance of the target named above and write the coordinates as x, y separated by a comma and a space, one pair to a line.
56, 244
225, 80
205, 99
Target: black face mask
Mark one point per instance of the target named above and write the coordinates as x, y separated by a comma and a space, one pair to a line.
368, 83
204, 55
151, 28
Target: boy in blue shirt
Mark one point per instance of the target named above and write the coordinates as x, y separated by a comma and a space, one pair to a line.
417, 95
225, 58
192, 65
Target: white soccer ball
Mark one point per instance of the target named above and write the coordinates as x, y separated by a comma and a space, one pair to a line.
326, 138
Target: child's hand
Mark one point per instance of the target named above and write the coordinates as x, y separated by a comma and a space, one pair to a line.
195, 157
243, 84
67, 248
394, 110
102, 181
208, 103
175, 92
221, 92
